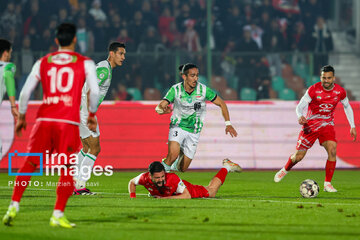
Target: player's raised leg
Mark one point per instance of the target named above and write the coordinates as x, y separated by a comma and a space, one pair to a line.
219, 178
292, 161
330, 147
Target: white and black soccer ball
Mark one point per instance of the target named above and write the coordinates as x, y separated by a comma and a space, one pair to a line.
309, 188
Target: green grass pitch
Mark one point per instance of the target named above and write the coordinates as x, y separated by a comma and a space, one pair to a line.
248, 206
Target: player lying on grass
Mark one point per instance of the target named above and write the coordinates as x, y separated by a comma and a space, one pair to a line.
168, 185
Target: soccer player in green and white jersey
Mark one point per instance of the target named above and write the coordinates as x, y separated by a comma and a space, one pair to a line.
189, 98
89, 139
7, 82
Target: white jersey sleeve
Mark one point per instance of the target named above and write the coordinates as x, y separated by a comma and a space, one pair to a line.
348, 111
91, 81
304, 103
137, 179
29, 86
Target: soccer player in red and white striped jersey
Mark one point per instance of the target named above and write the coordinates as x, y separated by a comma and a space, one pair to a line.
168, 185
62, 75
320, 100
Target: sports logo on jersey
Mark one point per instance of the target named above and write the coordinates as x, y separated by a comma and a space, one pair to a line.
325, 107
318, 97
197, 106
62, 59
337, 92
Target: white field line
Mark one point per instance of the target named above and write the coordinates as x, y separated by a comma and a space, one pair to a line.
216, 199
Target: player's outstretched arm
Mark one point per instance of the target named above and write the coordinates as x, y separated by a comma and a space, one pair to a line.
225, 112
163, 107
132, 188
184, 195
350, 116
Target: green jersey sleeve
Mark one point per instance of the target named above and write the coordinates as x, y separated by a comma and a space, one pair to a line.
9, 73
102, 74
210, 94
170, 95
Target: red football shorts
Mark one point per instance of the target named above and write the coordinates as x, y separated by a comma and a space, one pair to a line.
196, 191
306, 140
53, 137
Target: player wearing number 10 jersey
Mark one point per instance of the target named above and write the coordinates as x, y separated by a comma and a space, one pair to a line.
56, 130
321, 100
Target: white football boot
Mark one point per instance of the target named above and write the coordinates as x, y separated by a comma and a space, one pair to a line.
280, 175
233, 167
328, 187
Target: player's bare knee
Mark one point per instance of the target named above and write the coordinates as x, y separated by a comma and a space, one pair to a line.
332, 151
297, 157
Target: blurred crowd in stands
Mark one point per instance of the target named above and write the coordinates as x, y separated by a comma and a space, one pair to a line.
253, 41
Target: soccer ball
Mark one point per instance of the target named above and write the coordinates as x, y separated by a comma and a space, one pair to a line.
309, 188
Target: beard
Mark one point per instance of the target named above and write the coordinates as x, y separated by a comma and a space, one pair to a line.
160, 188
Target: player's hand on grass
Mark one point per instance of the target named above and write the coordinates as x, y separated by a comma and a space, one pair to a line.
92, 123
353, 134
20, 124
230, 129
302, 120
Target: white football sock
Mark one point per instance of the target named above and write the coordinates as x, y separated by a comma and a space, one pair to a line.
174, 166
58, 213
86, 167
15, 204
80, 157
227, 167
167, 167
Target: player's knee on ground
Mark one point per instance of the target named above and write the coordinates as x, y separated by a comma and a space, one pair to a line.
212, 192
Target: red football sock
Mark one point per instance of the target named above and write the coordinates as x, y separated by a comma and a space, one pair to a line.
64, 190
222, 175
289, 164
21, 182
329, 170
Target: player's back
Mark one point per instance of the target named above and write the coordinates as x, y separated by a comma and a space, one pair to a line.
62, 75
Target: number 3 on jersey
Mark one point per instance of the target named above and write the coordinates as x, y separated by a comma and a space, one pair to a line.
56, 79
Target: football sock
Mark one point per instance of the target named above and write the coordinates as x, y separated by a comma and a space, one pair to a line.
64, 189
21, 182
222, 174
174, 166
15, 204
167, 167
80, 158
86, 167
289, 164
329, 170
58, 213
228, 168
